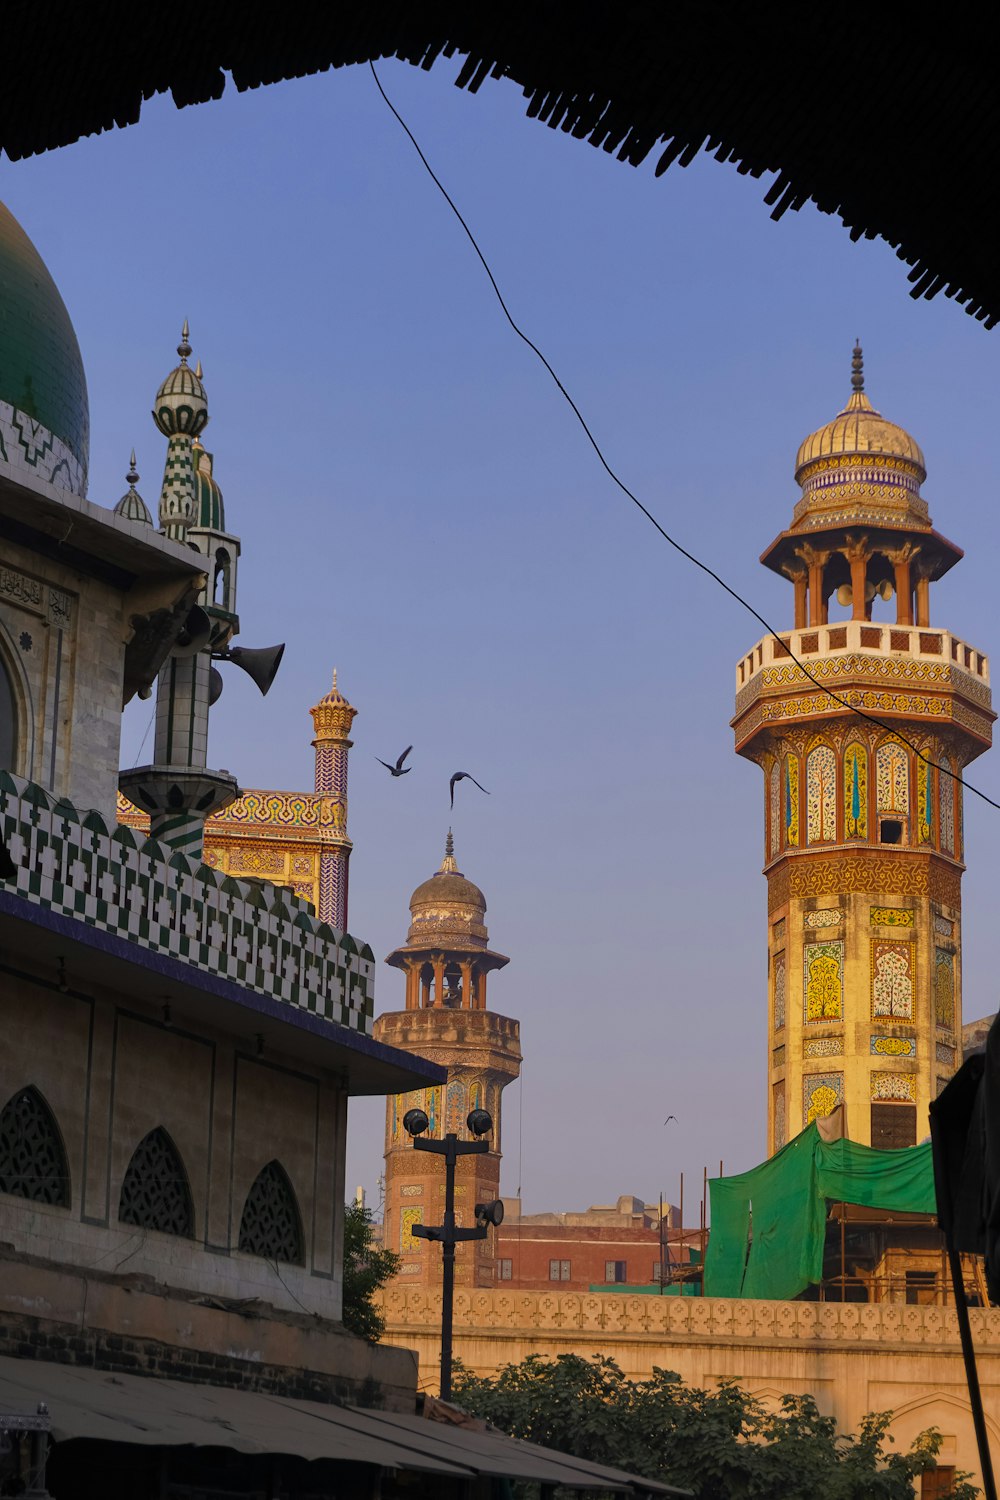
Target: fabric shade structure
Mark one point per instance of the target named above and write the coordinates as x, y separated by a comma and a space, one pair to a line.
769, 1224
98, 1405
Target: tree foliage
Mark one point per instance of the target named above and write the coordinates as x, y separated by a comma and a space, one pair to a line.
368, 1265
723, 1444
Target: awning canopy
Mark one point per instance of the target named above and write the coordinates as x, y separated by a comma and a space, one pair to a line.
144, 1410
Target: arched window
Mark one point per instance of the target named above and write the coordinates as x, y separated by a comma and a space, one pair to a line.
155, 1191
221, 590
791, 801
892, 782
821, 796
33, 1161
774, 812
856, 792
271, 1225
8, 720
946, 800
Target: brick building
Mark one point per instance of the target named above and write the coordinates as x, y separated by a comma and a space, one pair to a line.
620, 1244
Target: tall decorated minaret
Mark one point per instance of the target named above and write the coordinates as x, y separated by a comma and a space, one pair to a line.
332, 720
177, 790
863, 842
446, 960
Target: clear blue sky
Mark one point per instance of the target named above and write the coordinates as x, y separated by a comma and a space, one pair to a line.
418, 507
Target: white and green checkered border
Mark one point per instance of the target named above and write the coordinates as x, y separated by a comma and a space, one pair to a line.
251, 933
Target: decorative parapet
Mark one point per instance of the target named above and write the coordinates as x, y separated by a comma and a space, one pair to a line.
311, 816
249, 932
687, 1319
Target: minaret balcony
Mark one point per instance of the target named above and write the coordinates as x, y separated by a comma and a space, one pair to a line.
900, 670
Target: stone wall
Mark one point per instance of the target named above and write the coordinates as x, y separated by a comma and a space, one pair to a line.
853, 1358
86, 1317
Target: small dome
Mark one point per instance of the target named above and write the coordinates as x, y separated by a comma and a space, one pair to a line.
181, 404
209, 510
333, 716
859, 430
131, 505
41, 371
447, 907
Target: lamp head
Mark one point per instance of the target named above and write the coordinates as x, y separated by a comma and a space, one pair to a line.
480, 1122
415, 1122
489, 1213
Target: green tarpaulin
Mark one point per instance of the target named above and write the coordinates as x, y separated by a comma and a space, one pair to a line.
769, 1224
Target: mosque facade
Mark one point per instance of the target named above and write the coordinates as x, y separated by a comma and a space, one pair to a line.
862, 731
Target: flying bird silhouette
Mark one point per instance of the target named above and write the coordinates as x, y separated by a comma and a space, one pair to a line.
398, 769
669, 1118
463, 776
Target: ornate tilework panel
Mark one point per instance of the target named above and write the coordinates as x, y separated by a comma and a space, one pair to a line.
779, 1116
892, 965
778, 1056
780, 976
941, 1085
791, 801
271, 1225
946, 801
856, 792
823, 1046
407, 1219
943, 927
779, 930
155, 1192
892, 777
33, 1162
893, 1046
432, 1109
944, 988
944, 1054
821, 1093
831, 916
823, 981
774, 811
925, 811
901, 1088
821, 796
412, 1190
477, 1096
456, 1110
892, 916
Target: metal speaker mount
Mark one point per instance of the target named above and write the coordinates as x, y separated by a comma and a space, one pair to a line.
259, 663
195, 633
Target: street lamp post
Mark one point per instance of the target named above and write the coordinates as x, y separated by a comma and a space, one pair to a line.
415, 1121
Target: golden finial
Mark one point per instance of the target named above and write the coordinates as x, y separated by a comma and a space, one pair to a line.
198, 370
184, 347
335, 679
857, 368
132, 477
448, 865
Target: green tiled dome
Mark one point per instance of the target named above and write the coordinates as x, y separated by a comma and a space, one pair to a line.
41, 372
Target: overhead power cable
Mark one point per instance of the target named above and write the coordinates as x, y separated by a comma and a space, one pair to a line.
677, 546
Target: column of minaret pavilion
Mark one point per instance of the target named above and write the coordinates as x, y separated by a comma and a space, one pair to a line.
863, 843
177, 790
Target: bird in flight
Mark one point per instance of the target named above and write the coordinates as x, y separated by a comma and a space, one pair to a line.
669, 1118
463, 776
398, 769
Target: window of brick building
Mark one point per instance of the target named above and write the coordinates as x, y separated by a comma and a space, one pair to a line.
936, 1483
155, 1192
894, 1126
558, 1270
615, 1271
505, 1270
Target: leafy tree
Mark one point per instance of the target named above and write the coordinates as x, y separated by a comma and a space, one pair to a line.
723, 1444
368, 1265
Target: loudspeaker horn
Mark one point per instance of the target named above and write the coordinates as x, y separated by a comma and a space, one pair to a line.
260, 663
884, 589
844, 594
195, 633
